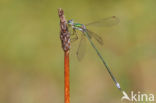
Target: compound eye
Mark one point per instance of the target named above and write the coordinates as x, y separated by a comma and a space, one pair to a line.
69, 21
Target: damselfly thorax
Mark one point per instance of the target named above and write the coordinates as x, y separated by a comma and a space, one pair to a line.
76, 26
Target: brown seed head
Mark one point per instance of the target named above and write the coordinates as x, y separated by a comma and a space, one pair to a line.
64, 33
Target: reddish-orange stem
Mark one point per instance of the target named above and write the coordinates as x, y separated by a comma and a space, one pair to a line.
66, 77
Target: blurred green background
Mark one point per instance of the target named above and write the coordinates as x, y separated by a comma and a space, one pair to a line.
31, 57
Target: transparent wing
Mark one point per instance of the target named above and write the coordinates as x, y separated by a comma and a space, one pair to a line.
110, 21
81, 49
74, 36
95, 36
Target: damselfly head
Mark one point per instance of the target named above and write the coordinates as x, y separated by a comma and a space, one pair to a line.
70, 22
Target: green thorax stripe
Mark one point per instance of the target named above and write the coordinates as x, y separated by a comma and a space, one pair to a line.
77, 25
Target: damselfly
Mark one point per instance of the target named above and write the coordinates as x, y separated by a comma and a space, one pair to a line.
89, 34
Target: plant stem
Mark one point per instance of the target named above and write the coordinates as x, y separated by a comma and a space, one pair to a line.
65, 40
66, 78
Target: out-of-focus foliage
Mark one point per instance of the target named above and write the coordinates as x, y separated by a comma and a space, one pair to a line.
31, 58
